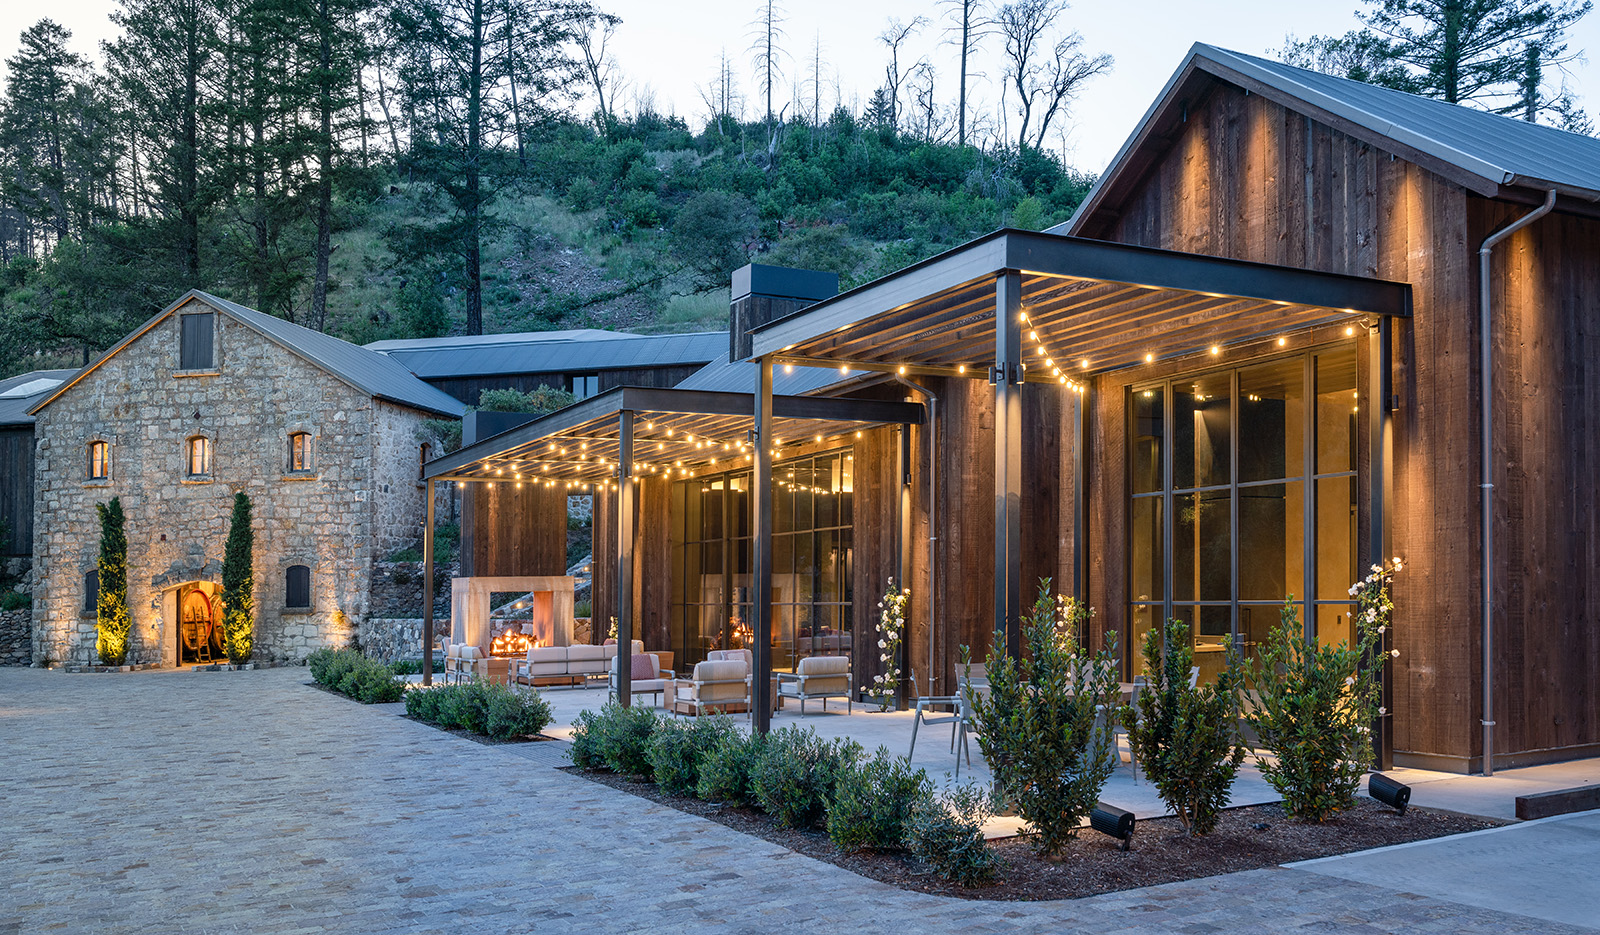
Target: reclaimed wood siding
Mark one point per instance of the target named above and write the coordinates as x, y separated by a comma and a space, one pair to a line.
1546, 295
505, 531
16, 490
1247, 178
875, 544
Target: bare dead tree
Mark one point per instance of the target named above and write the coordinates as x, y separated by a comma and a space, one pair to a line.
933, 123
766, 33
600, 66
1044, 75
721, 96
894, 36
969, 24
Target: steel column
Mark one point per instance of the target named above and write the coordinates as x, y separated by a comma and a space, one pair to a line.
902, 556
1007, 376
761, 543
625, 498
1080, 495
1380, 394
427, 587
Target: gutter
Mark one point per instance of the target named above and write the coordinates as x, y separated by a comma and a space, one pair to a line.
1485, 461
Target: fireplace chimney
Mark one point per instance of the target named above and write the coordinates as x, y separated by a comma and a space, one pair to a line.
766, 293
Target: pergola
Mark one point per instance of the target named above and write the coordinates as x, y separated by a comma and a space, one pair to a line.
610, 441
1019, 307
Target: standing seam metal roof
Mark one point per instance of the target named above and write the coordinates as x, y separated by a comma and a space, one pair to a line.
15, 411
534, 354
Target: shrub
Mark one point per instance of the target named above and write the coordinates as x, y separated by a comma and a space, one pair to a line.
112, 621
464, 708
15, 600
947, 835
676, 750
1314, 705
238, 583
414, 666
1186, 737
1037, 727
423, 703
514, 712
873, 801
794, 775
725, 770
348, 672
617, 738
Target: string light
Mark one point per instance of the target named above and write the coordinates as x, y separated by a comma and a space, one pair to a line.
1215, 350
1350, 332
1149, 358
1283, 342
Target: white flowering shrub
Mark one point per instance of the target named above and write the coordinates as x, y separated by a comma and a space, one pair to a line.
891, 633
1314, 705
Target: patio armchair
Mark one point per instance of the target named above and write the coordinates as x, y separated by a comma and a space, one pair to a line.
648, 678
821, 677
720, 686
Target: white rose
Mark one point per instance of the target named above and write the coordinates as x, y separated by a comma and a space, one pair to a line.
1383, 710
1395, 653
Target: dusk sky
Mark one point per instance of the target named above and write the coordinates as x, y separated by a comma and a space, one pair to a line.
671, 49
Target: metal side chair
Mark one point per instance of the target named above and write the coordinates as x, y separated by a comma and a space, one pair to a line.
973, 682
928, 703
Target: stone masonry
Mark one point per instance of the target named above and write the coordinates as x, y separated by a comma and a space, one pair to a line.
16, 637
359, 501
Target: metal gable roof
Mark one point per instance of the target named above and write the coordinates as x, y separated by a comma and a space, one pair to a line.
368, 371
14, 409
556, 352
1491, 148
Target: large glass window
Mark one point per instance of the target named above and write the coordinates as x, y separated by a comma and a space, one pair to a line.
811, 557
1228, 472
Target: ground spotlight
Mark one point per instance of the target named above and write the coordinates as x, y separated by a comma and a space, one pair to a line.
1393, 794
1108, 819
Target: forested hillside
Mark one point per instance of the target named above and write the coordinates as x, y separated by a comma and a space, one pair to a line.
445, 166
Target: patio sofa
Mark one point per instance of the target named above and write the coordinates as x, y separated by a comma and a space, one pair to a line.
648, 676
566, 665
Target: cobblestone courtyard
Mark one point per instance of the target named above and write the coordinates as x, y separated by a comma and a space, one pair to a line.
178, 802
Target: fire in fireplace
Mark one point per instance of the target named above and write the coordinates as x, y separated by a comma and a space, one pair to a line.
513, 642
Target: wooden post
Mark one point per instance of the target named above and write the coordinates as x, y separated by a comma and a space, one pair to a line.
761, 541
625, 497
427, 587
1007, 375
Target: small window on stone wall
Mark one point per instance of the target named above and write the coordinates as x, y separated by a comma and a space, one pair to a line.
194, 344
297, 586
91, 591
199, 460
99, 460
300, 451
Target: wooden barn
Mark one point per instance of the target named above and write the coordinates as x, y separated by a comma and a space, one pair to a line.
1253, 364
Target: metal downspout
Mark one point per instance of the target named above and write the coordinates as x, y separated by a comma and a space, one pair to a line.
1485, 460
933, 512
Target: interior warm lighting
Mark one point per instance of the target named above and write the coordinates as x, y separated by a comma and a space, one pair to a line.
1282, 342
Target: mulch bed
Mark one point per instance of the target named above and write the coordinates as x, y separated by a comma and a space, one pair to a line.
1247, 838
482, 738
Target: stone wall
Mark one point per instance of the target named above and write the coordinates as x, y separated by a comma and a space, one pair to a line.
391, 638
326, 518
16, 637
399, 494
397, 588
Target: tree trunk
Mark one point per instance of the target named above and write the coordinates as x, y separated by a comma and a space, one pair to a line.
473, 175
319, 284
189, 159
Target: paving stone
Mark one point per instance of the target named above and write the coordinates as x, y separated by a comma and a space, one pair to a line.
176, 802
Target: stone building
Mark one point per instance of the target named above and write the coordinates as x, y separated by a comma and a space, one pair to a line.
206, 399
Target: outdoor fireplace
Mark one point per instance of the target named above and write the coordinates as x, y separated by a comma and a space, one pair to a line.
512, 641
505, 616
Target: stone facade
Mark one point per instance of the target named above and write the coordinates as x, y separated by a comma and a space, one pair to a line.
16, 637
358, 501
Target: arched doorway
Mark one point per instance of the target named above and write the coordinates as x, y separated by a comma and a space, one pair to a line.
199, 625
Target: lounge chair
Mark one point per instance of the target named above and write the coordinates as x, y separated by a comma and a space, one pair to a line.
821, 677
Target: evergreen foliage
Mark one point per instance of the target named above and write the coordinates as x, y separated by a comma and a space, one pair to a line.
677, 749
1312, 708
113, 624
947, 835
794, 775
873, 801
1042, 726
1185, 738
238, 584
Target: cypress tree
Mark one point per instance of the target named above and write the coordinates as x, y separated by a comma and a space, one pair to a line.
238, 584
112, 622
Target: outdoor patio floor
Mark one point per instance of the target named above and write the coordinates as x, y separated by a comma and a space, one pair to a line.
175, 802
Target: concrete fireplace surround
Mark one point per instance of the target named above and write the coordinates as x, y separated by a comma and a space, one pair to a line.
551, 598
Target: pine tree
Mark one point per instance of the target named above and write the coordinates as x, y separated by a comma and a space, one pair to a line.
46, 87
112, 621
238, 584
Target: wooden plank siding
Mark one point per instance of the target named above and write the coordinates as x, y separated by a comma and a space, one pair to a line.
506, 531
1250, 179
16, 490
